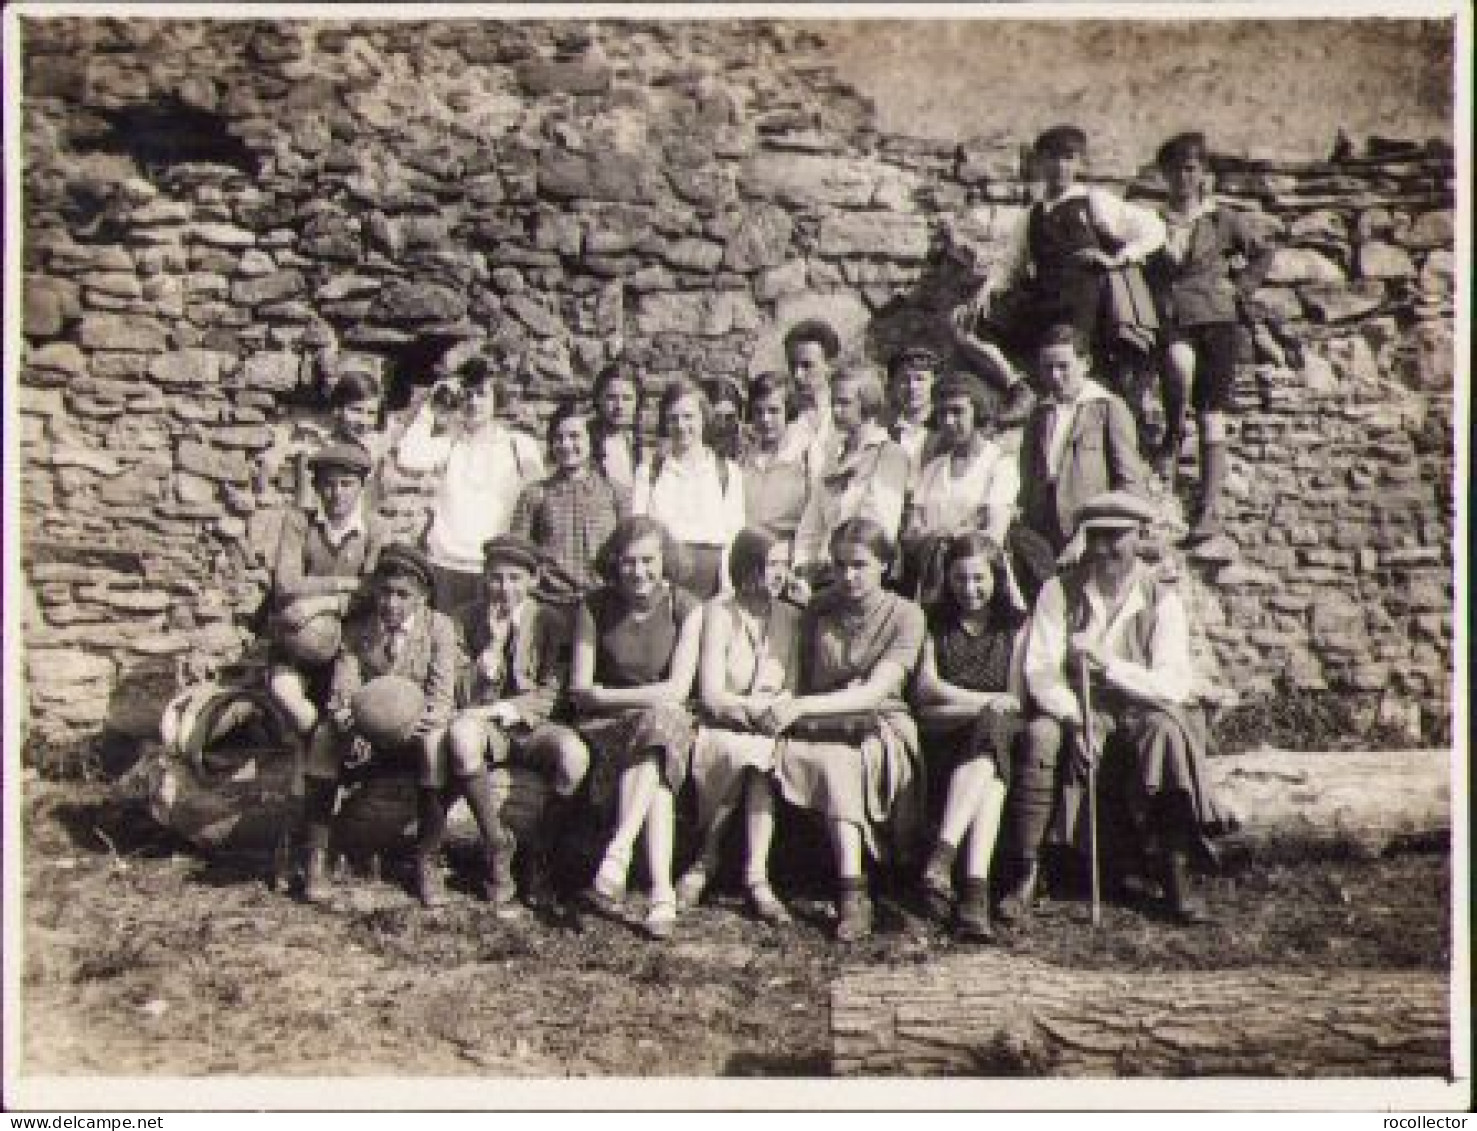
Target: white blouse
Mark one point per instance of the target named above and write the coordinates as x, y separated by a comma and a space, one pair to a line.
689, 497
981, 496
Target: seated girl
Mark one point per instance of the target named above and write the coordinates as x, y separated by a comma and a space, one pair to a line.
851, 747
749, 658
969, 703
635, 657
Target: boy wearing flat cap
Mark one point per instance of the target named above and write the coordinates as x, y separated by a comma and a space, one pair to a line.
400, 635
324, 554
1055, 269
1113, 617
518, 650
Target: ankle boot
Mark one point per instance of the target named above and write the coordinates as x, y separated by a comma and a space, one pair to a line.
430, 833
1179, 902
1020, 900
499, 844
972, 923
853, 912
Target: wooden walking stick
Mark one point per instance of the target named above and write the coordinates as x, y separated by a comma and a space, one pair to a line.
1088, 729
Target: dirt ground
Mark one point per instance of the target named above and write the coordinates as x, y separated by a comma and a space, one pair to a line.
143, 958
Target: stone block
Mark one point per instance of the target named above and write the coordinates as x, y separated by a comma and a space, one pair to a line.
189, 368
610, 176
419, 302
222, 235
692, 254
1432, 230
534, 314
1438, 274
58, 357
114, 332
706, 314
760, 239
72, 668
809, 180
1303, 265
89, 459
558, 232
879, 234
1385, 261
268, 288
211, 463
786, 279
1324, 226
160, 212
539, 77
1341, 303
703, 185
1276, 304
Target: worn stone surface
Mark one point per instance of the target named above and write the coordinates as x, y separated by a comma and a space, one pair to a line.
678, 202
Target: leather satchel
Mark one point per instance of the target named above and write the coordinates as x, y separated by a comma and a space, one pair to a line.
852, 728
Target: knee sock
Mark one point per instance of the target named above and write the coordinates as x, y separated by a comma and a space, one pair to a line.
430, 826
477, 789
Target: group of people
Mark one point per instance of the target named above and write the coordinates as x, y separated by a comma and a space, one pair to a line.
863, 599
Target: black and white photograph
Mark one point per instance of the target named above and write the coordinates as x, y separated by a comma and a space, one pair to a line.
757, 557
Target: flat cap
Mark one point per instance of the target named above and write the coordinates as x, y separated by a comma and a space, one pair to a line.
511, 549
344, 456
402, 560
1060, 139
1115, 510
920, 353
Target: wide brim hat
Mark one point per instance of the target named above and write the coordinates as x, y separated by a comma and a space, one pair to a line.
342, 456
404, 561
511, 549
1115, 510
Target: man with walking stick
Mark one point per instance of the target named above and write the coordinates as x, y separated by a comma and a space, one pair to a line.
1108, 668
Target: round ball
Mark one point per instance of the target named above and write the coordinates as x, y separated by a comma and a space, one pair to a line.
316, 640
387, 708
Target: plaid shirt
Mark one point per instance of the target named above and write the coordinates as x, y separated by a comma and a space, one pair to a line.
569, 519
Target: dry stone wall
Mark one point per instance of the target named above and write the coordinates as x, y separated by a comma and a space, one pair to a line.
217, 214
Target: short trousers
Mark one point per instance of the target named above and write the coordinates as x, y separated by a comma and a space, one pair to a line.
1216, 345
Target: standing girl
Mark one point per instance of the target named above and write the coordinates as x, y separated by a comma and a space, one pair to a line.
697, 495
569, 515
616, 436
483, 466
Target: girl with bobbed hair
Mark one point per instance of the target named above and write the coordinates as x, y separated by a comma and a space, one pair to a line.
615, 436
695, 493
571, 514
864, 473
636, 644
969, 697
776, 478
850, 751
749, 660
970, 484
